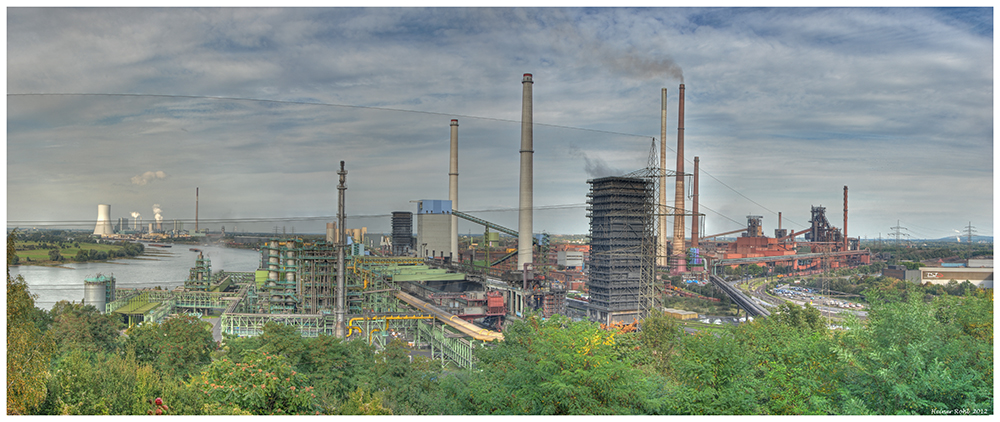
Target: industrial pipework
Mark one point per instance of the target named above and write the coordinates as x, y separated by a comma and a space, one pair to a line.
341, 244
453, 187
678, 244
524, 246
661, 243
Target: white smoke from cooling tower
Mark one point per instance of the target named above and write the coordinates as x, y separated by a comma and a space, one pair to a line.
103, 227
135, 220
158, 216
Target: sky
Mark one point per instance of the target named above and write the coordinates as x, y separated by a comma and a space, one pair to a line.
256, 107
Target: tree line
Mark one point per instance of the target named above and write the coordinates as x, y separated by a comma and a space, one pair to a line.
911, 356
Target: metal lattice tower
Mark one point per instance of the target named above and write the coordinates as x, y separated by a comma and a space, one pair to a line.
897, 232
969, 230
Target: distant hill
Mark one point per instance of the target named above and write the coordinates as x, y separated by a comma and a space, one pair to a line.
975, 239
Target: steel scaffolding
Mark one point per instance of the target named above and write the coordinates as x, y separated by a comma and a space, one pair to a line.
402, 232
622, 245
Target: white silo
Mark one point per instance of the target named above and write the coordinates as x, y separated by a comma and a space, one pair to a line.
99, 291
103, 220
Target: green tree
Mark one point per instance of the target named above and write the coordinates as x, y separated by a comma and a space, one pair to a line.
661, 339
262, 384
99, 383
361, 403
334, 366
914, 357
180, 346
76, 325
555, 367
28, 349
800, 317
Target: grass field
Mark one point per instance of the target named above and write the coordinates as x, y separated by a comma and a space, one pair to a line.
41, 256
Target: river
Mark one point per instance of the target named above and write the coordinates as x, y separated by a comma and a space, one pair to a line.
164, 267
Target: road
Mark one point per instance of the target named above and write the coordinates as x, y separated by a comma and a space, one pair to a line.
760, 294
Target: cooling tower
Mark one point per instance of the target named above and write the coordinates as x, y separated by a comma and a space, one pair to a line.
103, 220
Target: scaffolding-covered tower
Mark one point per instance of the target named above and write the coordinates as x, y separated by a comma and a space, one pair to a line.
402, 232
622, 247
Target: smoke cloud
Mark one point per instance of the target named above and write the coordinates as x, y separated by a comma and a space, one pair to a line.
595, 167
641, 67
617, 59
157, 213
147, 177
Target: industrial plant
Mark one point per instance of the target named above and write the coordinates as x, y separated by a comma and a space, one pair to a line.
450, 300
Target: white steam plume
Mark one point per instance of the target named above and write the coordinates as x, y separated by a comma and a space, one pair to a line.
157, 213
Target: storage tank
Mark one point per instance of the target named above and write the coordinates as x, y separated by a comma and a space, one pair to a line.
99, 291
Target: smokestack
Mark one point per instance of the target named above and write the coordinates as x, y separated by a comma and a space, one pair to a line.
779, 220
661, 254
340, 310
103, 226
679, 187
453, 185
695, 219
846, 243
524, 248
196, 210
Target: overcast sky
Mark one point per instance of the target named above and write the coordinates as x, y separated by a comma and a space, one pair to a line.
257, 107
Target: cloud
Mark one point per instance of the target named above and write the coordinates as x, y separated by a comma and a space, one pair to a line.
147, 177
784, 105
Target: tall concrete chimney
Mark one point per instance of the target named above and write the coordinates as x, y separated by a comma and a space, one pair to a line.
524, 249
678, 244
846, 243
453, 186
661, 243
196, 210
695, 219
341, 305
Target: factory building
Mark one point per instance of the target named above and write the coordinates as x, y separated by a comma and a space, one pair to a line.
980, 277
622, 247
900, 272
433, 228
570, 259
